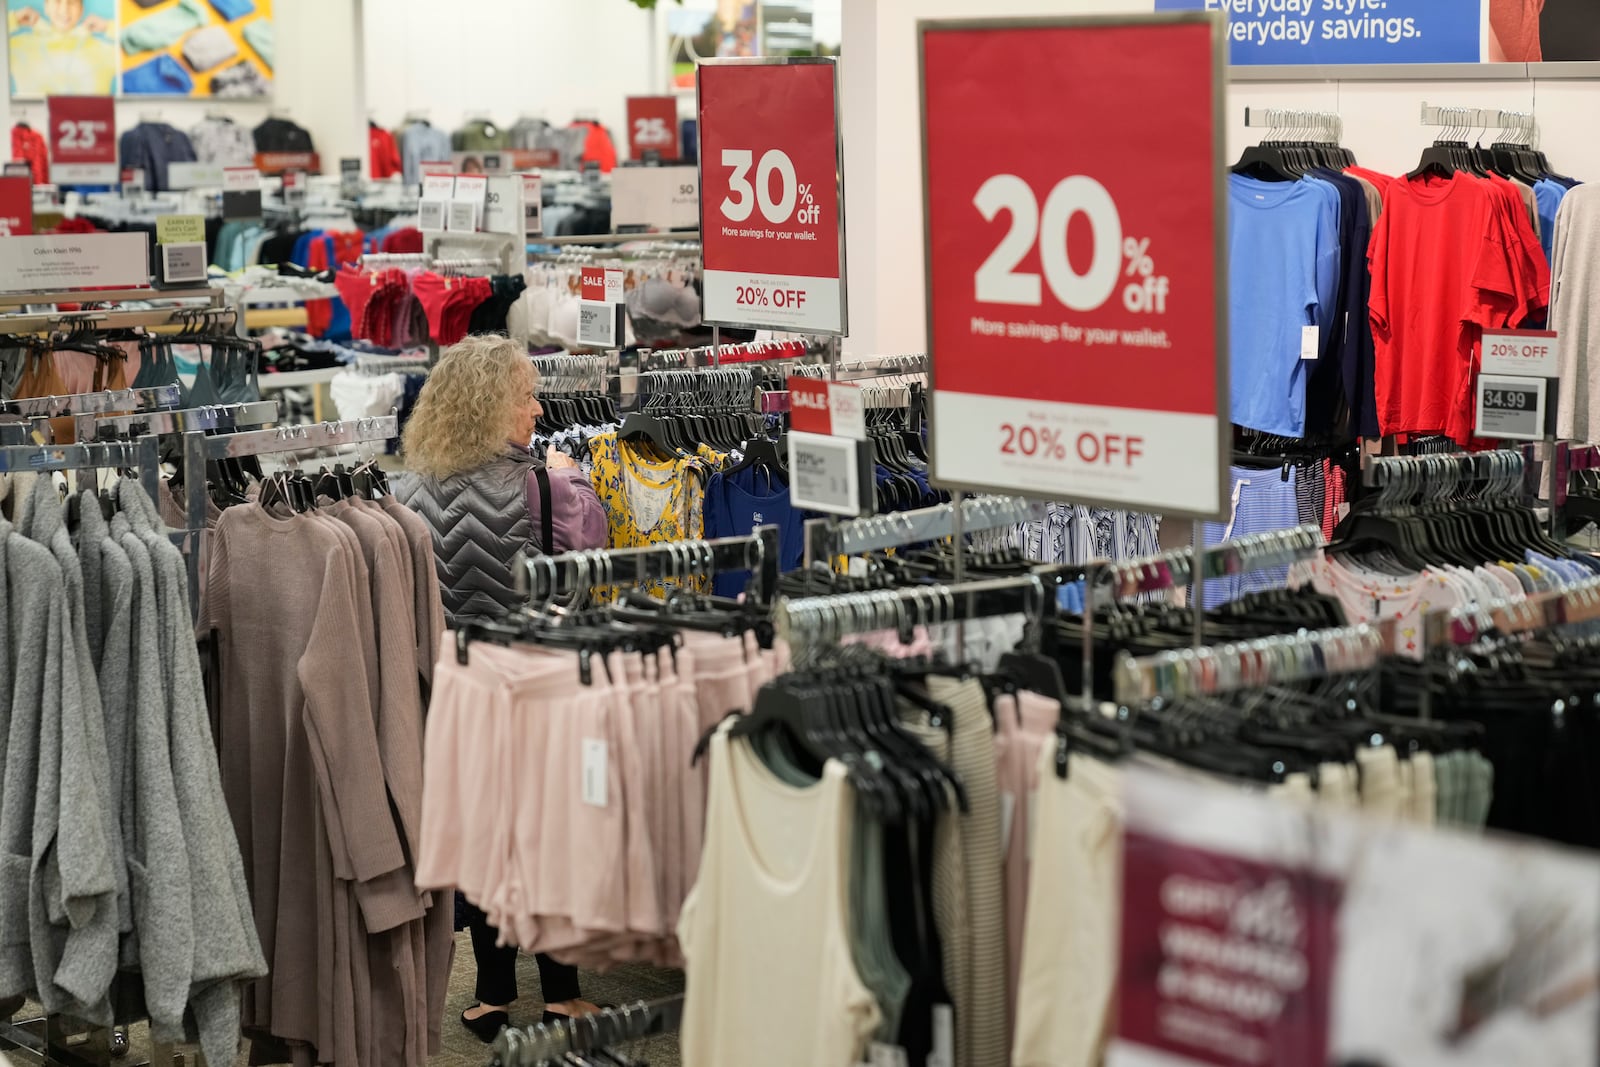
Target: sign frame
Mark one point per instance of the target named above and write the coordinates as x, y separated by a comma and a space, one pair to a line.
838, 142
646, 108
1217, 24
71, 164
1545, 363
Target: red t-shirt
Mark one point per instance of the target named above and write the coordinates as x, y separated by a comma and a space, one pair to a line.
1445, 263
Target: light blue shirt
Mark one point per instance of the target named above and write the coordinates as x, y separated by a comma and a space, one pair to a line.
1283, 275
422, 143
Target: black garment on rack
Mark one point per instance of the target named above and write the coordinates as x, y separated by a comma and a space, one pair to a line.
490, 316
281, 135
908, 887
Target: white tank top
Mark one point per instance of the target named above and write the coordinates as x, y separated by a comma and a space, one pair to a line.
770, 976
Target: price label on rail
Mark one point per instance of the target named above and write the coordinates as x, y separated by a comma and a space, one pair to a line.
771, 195
1511, 408
1076, 279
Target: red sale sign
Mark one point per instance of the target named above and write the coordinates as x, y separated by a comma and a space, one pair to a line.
653, 127
16, 207
83, 140
1076, 279
832, 409
772, 195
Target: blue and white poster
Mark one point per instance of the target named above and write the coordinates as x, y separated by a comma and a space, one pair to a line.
1367, 32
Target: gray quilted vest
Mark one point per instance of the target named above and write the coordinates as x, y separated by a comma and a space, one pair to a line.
479, 522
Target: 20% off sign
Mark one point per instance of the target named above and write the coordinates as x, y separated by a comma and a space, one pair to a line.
1076, 280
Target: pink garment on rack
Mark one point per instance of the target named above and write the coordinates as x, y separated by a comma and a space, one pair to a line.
1024, 724
888, 642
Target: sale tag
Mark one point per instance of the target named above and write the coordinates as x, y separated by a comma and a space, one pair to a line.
462, 217
502, 205
533, 204
83, 139
1512, 408
771, 195
438, 186
1529, 353
653, 127
180, 229
183, 263
431, 215
241, 193
834, 409
1076, 314
601, 309
1310, 342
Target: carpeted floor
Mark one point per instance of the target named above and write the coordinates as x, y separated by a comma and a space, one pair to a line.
461, 1049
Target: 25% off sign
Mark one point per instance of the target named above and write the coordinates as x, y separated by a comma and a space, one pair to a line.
1075, 263
771, 203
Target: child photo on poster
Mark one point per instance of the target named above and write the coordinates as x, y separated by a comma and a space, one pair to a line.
62, 47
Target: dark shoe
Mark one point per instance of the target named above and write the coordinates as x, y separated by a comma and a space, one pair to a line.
487, 1026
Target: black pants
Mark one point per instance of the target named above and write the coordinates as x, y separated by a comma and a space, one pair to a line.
497, 967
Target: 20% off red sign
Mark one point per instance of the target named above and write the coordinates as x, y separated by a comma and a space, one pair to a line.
1076, 282
771, 195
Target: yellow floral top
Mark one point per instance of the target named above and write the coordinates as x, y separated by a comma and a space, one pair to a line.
650, 498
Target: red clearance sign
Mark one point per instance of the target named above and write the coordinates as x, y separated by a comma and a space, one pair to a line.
772, 195
1076, 279
83, 140
653, 127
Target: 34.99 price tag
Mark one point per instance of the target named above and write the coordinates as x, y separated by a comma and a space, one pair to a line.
1075, 266
1511, 408
771, 195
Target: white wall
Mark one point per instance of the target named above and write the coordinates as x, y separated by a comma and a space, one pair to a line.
318, 83
500, 59
883, 146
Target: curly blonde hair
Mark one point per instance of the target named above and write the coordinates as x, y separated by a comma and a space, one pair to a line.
468, 407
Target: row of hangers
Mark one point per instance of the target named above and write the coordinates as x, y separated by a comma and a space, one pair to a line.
1299, 142
1512, 156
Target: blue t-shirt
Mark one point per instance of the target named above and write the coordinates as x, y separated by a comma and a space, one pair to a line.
738, 503
1548, 195
1283, 275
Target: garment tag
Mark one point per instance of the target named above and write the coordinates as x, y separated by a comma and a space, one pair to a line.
859, 567
1342, 512
595, 779
1008, 811
944, 1037
882, 1055
1310, 342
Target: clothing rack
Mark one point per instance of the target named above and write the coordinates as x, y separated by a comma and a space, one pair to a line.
541, 1043
709, 355
721, 388
20, 322
1306, 125
142, 455
183, 420
826, 539
1256, 552
811, 623
686, 237
162, 396
373, 365
1441, 474
546, 579
1255, 664
562, 374
1471, 118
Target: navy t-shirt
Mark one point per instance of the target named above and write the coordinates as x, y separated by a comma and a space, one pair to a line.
738, 503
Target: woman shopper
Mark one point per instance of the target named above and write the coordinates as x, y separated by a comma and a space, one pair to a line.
485, 498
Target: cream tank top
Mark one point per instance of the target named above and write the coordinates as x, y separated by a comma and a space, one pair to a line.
771, 980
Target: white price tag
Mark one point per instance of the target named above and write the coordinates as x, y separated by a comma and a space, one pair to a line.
600, 324
825, 473
183, 263
463, 217
430, 215
944, 1037
614, 283
596, 781
1511, 408
533, 204
1310, 342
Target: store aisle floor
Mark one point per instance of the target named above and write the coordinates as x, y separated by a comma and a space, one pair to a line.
622, 986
